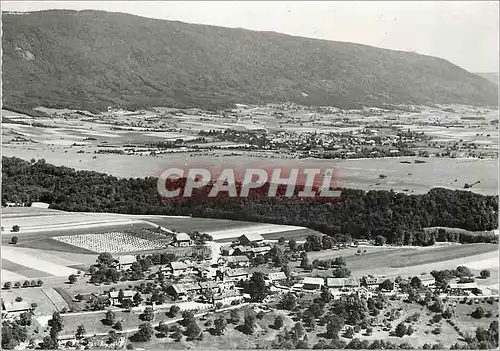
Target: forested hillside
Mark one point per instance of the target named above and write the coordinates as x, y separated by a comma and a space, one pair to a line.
398, 217
93, 59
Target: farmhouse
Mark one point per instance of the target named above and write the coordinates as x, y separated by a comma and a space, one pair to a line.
235, 275
372, 282
177, 291
427, 280
253, 238
125, 262
204, 286
277, 277
313, 283
182, 240
14, 308
207, 272
237, 261
341, 283
462, 287
241, 250
260, 250
113, 296
176, 268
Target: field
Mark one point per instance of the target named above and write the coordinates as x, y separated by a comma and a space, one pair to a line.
114, 242
359, 173
413, 260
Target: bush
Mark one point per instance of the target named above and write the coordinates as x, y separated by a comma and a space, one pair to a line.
485, 274
478, 313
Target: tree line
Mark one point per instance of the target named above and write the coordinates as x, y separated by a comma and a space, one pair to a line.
399, 218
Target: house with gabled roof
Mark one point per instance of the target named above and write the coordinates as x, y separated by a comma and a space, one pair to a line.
310, 283
182, 240
251, 238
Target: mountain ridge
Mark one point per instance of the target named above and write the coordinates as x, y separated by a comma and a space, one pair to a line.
94, 59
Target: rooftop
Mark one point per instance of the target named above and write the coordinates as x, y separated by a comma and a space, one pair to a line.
126, 259
277, 276
253, 237
313, 281
178, 265
237, 259
236, 272
182, 237
126, 293
14, 306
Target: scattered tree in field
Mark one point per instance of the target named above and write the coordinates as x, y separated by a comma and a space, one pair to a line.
12, 334
250, 322
349, 333
416, 283
25, 319
39, 283
187, 317
137, 299
118, 326
176, 333
173, 310
148, 314
220, 324
304, 263
112, 337
281, 240
26, 284
15, 228
478, 313
105, 258
380, 240
163, 328
278, 322
72, 279
110, 318
17, 285
49, 343
14, 240
387, 285
234, 317
56, 323
485, 274
286, 269
257, 287
7, 285
400, 330
145, 332
288, 302
193, 330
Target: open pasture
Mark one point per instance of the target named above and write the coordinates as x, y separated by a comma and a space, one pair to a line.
24, 260
357, 173
406, 261
114, 242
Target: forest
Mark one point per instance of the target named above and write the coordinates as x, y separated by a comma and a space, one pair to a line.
399, 218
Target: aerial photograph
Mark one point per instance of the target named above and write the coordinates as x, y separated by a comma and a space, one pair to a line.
245, 175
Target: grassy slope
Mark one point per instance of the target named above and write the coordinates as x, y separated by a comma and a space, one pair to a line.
92, 59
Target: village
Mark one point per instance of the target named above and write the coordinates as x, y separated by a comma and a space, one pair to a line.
136, 290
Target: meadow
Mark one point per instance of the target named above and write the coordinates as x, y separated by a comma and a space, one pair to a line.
357, 173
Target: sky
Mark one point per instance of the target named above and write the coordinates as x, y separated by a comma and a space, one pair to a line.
465, 33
